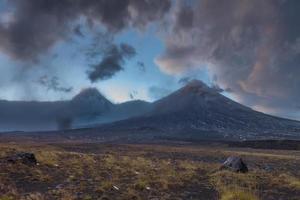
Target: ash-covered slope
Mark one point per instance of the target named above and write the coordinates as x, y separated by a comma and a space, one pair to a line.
130, 109
114, 112
198, 109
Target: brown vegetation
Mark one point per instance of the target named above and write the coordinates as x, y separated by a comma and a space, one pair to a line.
102, 171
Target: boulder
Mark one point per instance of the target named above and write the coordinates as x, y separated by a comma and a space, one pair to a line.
236, 164
25, 158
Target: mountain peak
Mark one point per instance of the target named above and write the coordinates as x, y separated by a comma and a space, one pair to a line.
196, 83
195, 86
90, 102
89, 94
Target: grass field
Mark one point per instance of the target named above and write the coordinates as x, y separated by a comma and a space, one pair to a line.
142, 171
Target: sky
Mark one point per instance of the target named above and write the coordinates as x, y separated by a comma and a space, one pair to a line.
140, 49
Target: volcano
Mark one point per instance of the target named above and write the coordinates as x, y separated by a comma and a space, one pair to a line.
197, 110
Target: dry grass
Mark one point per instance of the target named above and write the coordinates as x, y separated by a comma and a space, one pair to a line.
238, 194
145, 172
6, 198
289, 181
236, 186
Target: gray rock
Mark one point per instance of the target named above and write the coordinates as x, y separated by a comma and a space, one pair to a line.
25, 158
236, 164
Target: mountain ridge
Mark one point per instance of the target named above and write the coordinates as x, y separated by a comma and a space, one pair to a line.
193, 109
86, 108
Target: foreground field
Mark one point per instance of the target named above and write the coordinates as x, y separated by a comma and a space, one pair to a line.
135, 171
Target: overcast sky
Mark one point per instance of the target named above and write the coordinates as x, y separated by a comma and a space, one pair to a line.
140, 49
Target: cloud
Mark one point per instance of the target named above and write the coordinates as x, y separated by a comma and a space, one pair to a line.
251, 46
34, 26
185, 80
112, 61
33, 32
77, 30
52, 83
141, 66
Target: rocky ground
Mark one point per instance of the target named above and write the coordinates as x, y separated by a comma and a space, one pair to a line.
141, 171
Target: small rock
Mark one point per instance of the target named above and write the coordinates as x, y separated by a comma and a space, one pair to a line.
59, 186
268, 168
25, 158
116, 188
236, 164
137, 173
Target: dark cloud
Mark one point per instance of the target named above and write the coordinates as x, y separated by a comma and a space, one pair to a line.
185, 17
36, 25
112, 61
252, 47
214, 85
52, 83
101, 43
77, 30
141, 66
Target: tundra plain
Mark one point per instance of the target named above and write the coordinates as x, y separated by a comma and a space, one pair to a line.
76, 170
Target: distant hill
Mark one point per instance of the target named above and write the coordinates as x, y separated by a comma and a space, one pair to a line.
24, 116
87, 108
